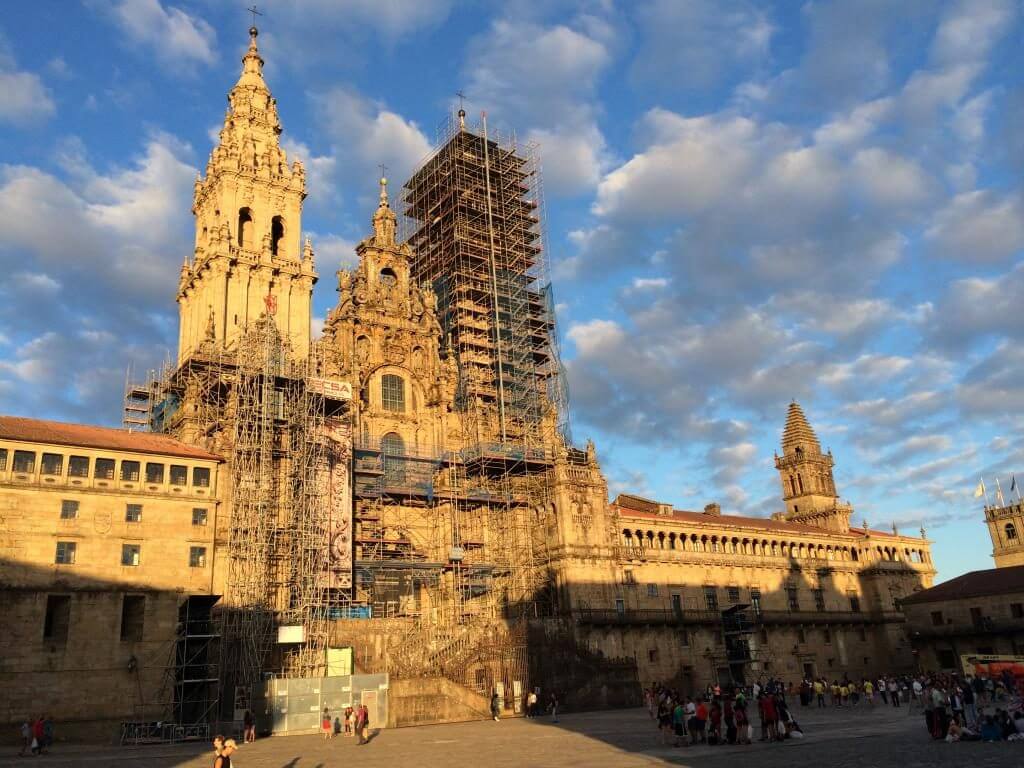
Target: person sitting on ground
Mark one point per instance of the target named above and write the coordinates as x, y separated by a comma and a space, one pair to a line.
990, 730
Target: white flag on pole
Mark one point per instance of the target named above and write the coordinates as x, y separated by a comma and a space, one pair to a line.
980, 490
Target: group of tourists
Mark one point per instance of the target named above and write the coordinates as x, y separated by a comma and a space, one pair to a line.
722, 715
353, 721
964, 708
850, 693
36, 736
955, 708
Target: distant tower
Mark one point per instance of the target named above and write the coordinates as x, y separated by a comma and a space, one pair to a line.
1006, 527
248, 259
806, 474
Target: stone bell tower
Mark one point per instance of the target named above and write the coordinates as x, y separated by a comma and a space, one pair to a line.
808, 487
248, 259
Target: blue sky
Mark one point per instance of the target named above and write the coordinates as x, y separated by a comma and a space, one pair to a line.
745, 203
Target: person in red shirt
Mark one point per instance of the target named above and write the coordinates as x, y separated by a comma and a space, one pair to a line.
702, 718
38, 732
769, 717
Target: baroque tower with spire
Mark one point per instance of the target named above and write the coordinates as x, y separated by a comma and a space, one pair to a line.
808, 487
248, 259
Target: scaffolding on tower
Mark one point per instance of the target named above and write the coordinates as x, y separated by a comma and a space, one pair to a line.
286, 433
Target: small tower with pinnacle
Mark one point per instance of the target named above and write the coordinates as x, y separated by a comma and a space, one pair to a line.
248, 259
808, 488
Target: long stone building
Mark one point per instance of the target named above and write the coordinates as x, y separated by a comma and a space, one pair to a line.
404, 486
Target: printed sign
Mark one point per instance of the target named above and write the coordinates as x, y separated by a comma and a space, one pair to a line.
332, 389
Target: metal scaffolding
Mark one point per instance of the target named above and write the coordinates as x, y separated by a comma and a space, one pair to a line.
286, 434
473, 218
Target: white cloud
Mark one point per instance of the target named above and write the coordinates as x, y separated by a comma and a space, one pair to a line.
334, 252
889, 179
854, 126
979, 227
522, 68
365, 133
691, 164
572, 161
545, 77
699, 42
969, 29
26, 99
320, 170
172, 34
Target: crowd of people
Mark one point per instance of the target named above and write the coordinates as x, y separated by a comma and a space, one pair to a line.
36, 736
722, 715
955, 708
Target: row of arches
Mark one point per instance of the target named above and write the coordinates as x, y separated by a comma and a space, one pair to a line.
714, 543
247, 232
817, 482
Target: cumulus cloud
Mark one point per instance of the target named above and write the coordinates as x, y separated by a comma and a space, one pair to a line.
172, 34
979, 226
978, 309
364, 133
545, 77
90, 294
26, 99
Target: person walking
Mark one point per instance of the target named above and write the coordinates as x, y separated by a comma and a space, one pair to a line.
48, 732
37, 736
364, 730
819, 692
326, 727
26, 738
249, 722
495, 707
894, 692
531, 705
553, 707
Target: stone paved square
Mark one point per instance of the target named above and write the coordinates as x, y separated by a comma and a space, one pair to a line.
848, 738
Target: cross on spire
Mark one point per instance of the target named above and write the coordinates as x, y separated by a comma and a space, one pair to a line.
383, 170
255, 12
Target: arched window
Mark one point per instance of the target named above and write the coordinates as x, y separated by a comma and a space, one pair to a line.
245, 231
800, 483
276, 236
1011, 531
392, 392
393, 447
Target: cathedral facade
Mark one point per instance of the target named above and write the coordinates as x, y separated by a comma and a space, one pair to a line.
404, 485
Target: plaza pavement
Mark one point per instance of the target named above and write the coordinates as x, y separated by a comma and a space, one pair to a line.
836, 738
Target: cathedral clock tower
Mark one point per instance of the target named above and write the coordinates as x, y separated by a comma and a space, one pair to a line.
248, 258
808, 487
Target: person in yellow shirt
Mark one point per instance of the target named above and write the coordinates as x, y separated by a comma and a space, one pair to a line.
844, 694
869, 692
819, 692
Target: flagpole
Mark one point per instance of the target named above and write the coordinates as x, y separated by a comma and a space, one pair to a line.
999, 493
